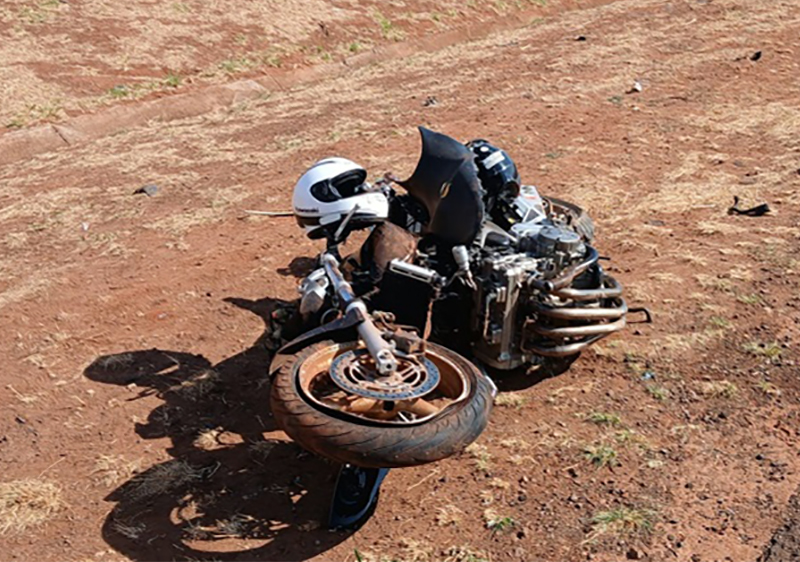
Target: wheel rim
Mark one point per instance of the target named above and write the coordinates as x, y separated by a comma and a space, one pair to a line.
337, 379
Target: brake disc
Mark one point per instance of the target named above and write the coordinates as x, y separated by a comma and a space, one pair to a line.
355, 372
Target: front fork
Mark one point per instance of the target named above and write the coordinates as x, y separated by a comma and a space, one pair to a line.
380, 349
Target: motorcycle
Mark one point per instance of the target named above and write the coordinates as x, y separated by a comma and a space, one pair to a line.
398, 342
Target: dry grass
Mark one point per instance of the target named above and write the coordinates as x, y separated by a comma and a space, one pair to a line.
112, 469
603, 418
499, 484
623, 522
128, 529
709, 228
511, 400
768, 388
714, 282
199, 386
448, 515
208, 440
770, 350
719, 389
515, 445
601, 455
416, 551
261, 449
498, 523
162, 479
27, 503
465, 553
481, 456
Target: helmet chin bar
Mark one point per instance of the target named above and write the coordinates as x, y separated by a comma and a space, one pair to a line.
380, 349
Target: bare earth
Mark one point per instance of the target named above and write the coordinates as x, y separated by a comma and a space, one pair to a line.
137, 329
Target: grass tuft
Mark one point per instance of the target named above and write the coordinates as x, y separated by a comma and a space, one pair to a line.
111, 469
604, 418
770, 350
658, 392
498, 523
388, 29
601, 455
719, 389
768, 388
448, 515
129, 530
720, 322
28, 503
511, 400
751, 299
465, 554
163, 478
481, 455
623, 522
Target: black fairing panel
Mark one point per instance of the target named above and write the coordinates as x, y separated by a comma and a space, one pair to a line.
446, 182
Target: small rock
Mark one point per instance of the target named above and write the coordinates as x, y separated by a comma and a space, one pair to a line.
755, 56
150, 190
430, 101
580, 38
636, 88
634, 554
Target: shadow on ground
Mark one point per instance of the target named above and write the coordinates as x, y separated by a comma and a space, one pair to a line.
227, 493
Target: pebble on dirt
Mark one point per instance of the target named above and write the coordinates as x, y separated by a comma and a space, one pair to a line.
636, 88
150, 190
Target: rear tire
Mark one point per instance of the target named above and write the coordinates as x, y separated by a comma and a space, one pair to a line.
347, 440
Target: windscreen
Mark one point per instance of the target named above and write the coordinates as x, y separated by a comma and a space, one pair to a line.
446, 182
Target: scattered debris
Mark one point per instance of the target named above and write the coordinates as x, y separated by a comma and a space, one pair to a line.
753, 57
636, 88
150, 190
270, 213
580, 38
757, 211
430, 101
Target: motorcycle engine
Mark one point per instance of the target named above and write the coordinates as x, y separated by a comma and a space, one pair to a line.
537, 251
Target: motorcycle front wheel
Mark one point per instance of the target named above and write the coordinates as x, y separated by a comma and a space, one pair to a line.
353, 428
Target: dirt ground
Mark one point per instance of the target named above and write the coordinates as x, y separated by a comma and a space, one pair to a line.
60, 58
138, 329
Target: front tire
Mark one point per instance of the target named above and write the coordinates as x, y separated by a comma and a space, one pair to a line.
373, 444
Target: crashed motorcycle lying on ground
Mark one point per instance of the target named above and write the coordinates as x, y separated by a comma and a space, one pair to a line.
466, 270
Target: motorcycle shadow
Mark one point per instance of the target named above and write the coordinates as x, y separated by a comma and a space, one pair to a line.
227, 493
526, 377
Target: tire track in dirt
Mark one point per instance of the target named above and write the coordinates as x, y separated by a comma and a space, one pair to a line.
23, 144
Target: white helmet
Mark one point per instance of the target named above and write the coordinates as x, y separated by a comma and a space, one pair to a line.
331, 190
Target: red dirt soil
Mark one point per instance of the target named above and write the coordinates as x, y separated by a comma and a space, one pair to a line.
138, 329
